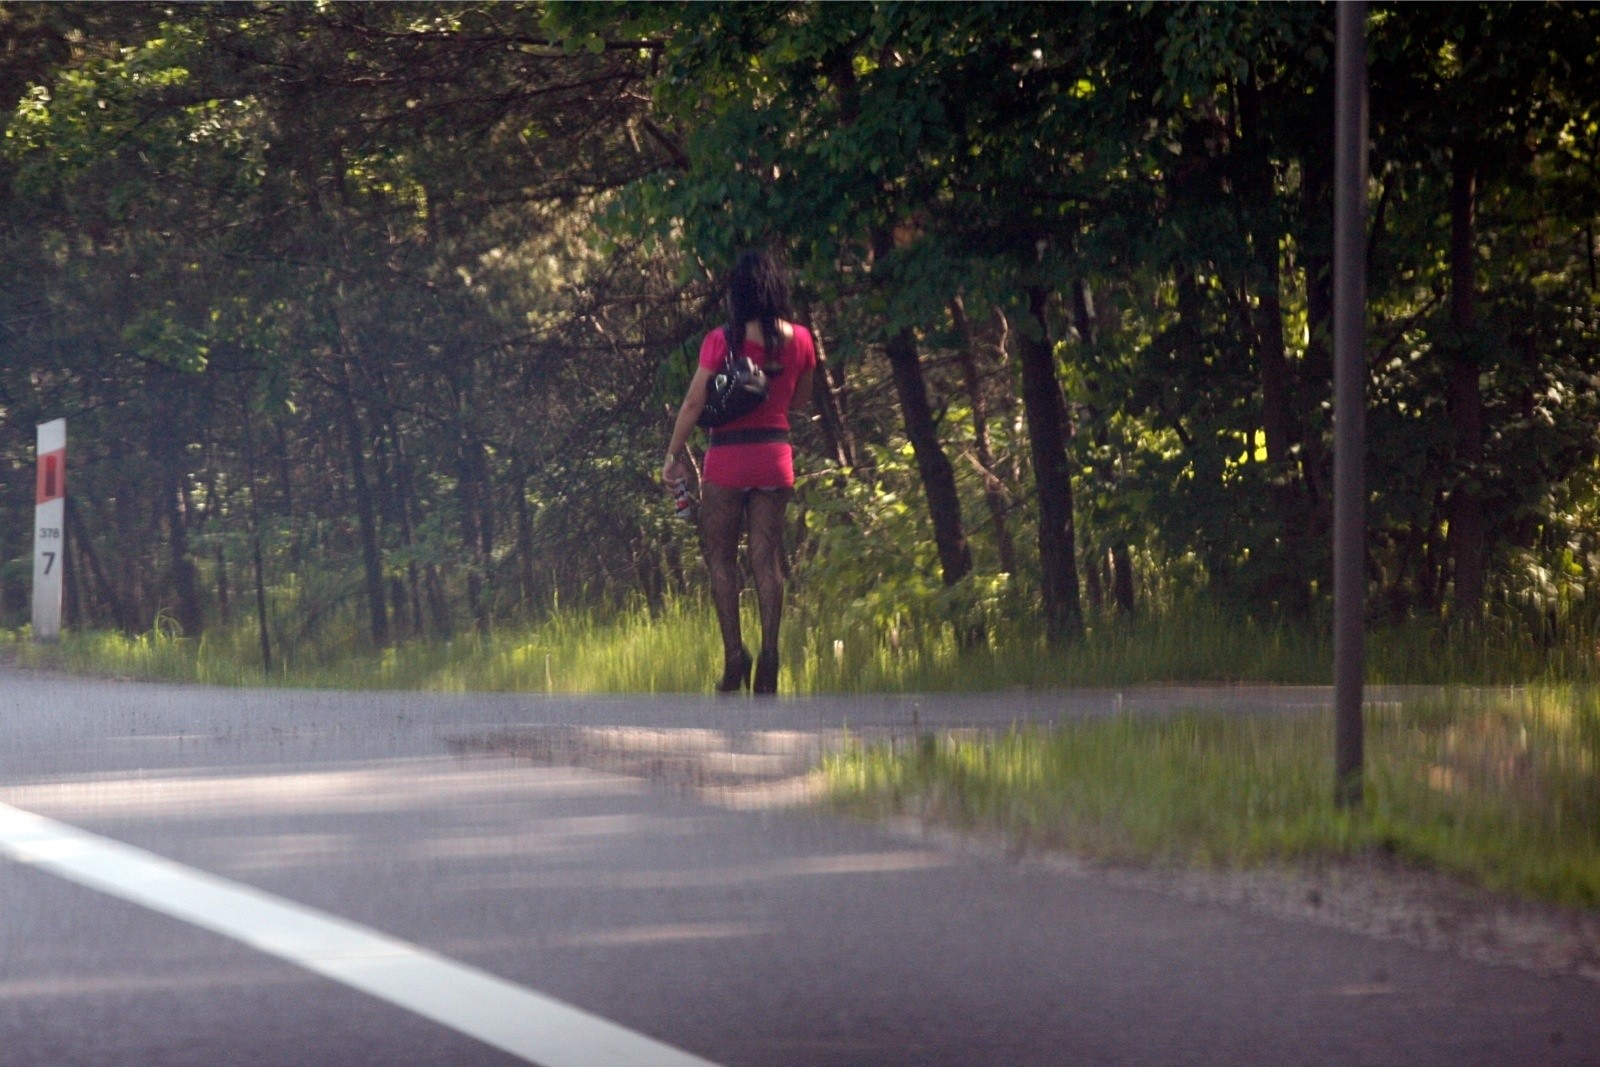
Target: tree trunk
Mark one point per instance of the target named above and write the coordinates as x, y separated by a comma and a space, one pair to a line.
1465, 399
524, 517
827, 387
476, 534
427, 576
1007, 413
184, 585
224, 606
438, 604
1122, 578
389, 510
1266, 325
257, 563
1293, 572
259, 566
73, 614
1316, 254
1291, 582
168, 453
403, 506
1086, 322
1277, 406
280, 453
1094, 586
1047, 438
938, 477
483, 496
1589, 251
126, 564
366, 512
994, 490
79, 536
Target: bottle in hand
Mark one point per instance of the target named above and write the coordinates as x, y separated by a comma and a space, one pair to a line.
682, 503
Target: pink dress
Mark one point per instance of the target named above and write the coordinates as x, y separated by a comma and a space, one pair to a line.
770, 464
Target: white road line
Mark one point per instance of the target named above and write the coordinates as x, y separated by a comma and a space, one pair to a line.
520, 1021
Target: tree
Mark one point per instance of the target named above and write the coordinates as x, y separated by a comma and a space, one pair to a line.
387, 299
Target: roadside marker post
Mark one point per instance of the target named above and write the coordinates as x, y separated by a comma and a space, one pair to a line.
49, 529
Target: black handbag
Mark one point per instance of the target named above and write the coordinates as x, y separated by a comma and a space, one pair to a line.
737, 389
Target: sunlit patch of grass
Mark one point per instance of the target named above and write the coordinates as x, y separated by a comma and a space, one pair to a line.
1500, 788
674, 647
157, 655
674, 650
634, 650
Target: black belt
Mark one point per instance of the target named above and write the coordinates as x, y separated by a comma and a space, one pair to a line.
749, 437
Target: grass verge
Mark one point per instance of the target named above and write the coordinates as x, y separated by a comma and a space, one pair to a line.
1504, 790
1500, 789
675, 648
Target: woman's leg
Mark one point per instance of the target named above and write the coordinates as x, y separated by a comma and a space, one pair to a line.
766, 510
722, 513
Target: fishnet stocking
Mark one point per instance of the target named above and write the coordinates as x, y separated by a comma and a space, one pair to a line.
724, 515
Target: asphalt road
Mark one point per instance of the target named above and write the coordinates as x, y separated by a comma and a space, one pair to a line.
327, 878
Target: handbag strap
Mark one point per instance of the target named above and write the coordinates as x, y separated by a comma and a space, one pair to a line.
772, 365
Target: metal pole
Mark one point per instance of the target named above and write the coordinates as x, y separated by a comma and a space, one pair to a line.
1349, 400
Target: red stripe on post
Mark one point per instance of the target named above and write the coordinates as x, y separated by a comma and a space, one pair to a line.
52, 481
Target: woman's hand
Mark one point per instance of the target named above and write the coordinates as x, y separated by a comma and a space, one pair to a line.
694, 400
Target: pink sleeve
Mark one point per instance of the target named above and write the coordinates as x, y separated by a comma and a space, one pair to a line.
713, 350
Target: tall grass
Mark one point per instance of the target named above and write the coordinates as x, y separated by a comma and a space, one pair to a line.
632, 650
675, 648
1500, 788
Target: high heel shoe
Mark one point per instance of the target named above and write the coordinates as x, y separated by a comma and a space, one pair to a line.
767, 673
735, 672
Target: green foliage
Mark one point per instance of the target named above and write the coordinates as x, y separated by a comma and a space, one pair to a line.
403, 295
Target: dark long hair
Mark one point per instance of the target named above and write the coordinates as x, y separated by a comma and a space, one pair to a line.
758, 290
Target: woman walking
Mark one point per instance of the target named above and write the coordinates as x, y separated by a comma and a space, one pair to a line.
748, 476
